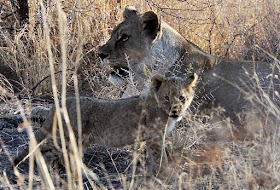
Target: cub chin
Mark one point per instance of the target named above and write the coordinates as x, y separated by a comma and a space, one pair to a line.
117, 123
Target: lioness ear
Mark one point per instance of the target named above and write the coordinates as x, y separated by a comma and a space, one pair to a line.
157, 81
192, 84
150, 24
129, 11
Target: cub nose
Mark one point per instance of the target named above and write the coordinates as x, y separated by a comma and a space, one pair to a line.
175, 109
174, 112
102, 55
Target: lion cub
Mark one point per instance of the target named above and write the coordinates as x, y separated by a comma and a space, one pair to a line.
116, 123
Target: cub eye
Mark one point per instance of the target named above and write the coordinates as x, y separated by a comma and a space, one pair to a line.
166, 98
124, 37
182, 99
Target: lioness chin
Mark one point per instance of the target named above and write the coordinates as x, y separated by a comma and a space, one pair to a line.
143, 42
117, 123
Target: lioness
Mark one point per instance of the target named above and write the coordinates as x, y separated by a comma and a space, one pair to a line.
144, 41
116, 123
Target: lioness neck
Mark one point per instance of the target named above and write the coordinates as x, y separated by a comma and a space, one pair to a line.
167, 48
170, 47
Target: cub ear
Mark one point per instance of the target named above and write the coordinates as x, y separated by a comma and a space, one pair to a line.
150, 24
157, 81
129, 11
191, 85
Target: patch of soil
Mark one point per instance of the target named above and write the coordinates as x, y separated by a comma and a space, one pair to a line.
104, 162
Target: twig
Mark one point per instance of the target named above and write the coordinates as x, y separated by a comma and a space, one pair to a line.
37, 84
3, 18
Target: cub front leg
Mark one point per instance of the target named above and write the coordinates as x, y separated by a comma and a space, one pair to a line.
157, 160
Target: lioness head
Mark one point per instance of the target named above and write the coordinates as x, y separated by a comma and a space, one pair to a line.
130, 40
173, 95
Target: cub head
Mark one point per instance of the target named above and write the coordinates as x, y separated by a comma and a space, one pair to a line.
173, 95
131, 39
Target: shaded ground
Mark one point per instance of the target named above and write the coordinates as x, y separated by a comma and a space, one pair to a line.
202, 164
96, 158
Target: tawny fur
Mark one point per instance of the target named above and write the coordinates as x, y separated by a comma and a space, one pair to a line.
146, 42
117, 123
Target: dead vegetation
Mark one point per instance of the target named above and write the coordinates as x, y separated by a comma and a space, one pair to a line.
68, 37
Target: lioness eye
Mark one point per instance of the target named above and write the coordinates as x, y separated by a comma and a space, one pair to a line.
182, 99
166, 98
124, 38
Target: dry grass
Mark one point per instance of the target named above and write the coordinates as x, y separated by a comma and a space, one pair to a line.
229, 29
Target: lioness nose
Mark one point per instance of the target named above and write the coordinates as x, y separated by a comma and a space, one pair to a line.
102, 55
